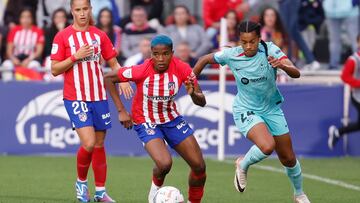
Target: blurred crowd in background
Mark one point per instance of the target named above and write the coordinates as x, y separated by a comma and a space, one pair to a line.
315, 34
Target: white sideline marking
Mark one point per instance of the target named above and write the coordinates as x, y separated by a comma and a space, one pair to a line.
309, 176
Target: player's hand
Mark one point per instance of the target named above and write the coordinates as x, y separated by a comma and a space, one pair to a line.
16, 61
189, 83
125, 119
84, 51
126, 89
274, 62
25, 63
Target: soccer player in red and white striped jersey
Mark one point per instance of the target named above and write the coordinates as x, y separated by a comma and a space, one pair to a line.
156, 118
76, 53
25, 44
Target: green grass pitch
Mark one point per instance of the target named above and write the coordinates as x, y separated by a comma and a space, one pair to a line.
51, 179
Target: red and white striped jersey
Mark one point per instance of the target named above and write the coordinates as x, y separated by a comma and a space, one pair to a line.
84, 81
25, 40
155, 92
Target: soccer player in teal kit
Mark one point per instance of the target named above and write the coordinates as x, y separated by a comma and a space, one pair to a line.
256, 109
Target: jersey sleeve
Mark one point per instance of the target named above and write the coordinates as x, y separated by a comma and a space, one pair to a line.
11, 35
275, 51
41, 37
221, 57
133, 73
347, 74
58, 48
107, 49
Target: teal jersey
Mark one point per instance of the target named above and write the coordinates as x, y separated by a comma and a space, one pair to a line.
255, 77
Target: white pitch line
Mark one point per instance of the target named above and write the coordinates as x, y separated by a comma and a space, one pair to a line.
309, 176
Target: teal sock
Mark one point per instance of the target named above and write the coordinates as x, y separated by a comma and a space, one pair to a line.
294, 174
253, 156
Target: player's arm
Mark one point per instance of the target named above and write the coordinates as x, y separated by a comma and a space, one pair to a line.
111, 79
194, 90
286, 65
10, 55
59, 67
125, 87
202, 62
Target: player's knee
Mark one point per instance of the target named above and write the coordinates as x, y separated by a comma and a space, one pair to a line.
199, 168
268, 148
89, 145
99, 143
164, 167
288, 160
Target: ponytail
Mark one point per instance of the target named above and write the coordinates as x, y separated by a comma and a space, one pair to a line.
265, 47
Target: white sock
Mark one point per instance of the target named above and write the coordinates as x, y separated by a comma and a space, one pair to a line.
99, 189
81, 181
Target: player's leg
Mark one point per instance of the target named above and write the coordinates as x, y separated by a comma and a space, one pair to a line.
82, 121
179, 135
190, 151
84, 156
335, 134
159, 153
153, 139
279, 129
292, 166
102, 122
254, 128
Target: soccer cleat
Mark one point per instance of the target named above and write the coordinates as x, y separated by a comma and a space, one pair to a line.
333, 137
240, 176
102, 196
313, 66
82, 191
152, 192
301, 199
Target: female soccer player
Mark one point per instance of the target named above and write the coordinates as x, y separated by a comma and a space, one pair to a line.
156, 118
256, 108
76, 52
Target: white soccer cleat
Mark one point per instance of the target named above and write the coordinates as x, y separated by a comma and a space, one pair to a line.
333, 136
240, 176
301, 199
152, 192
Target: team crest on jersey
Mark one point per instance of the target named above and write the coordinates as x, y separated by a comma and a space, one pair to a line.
95, 43
150, 131
82, 116
171, 86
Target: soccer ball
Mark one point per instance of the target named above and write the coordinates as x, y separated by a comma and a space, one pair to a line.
168, 194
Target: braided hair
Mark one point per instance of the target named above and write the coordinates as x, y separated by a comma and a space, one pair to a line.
250, 26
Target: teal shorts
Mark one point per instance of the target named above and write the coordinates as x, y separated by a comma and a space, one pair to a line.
274, 120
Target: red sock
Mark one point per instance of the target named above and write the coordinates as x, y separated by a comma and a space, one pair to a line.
83, 163
157, 182
99, 166
195, 194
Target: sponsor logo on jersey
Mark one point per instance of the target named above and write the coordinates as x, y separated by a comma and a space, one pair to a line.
244, 81
94, 57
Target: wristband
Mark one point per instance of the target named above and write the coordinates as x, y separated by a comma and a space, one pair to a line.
73, 59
